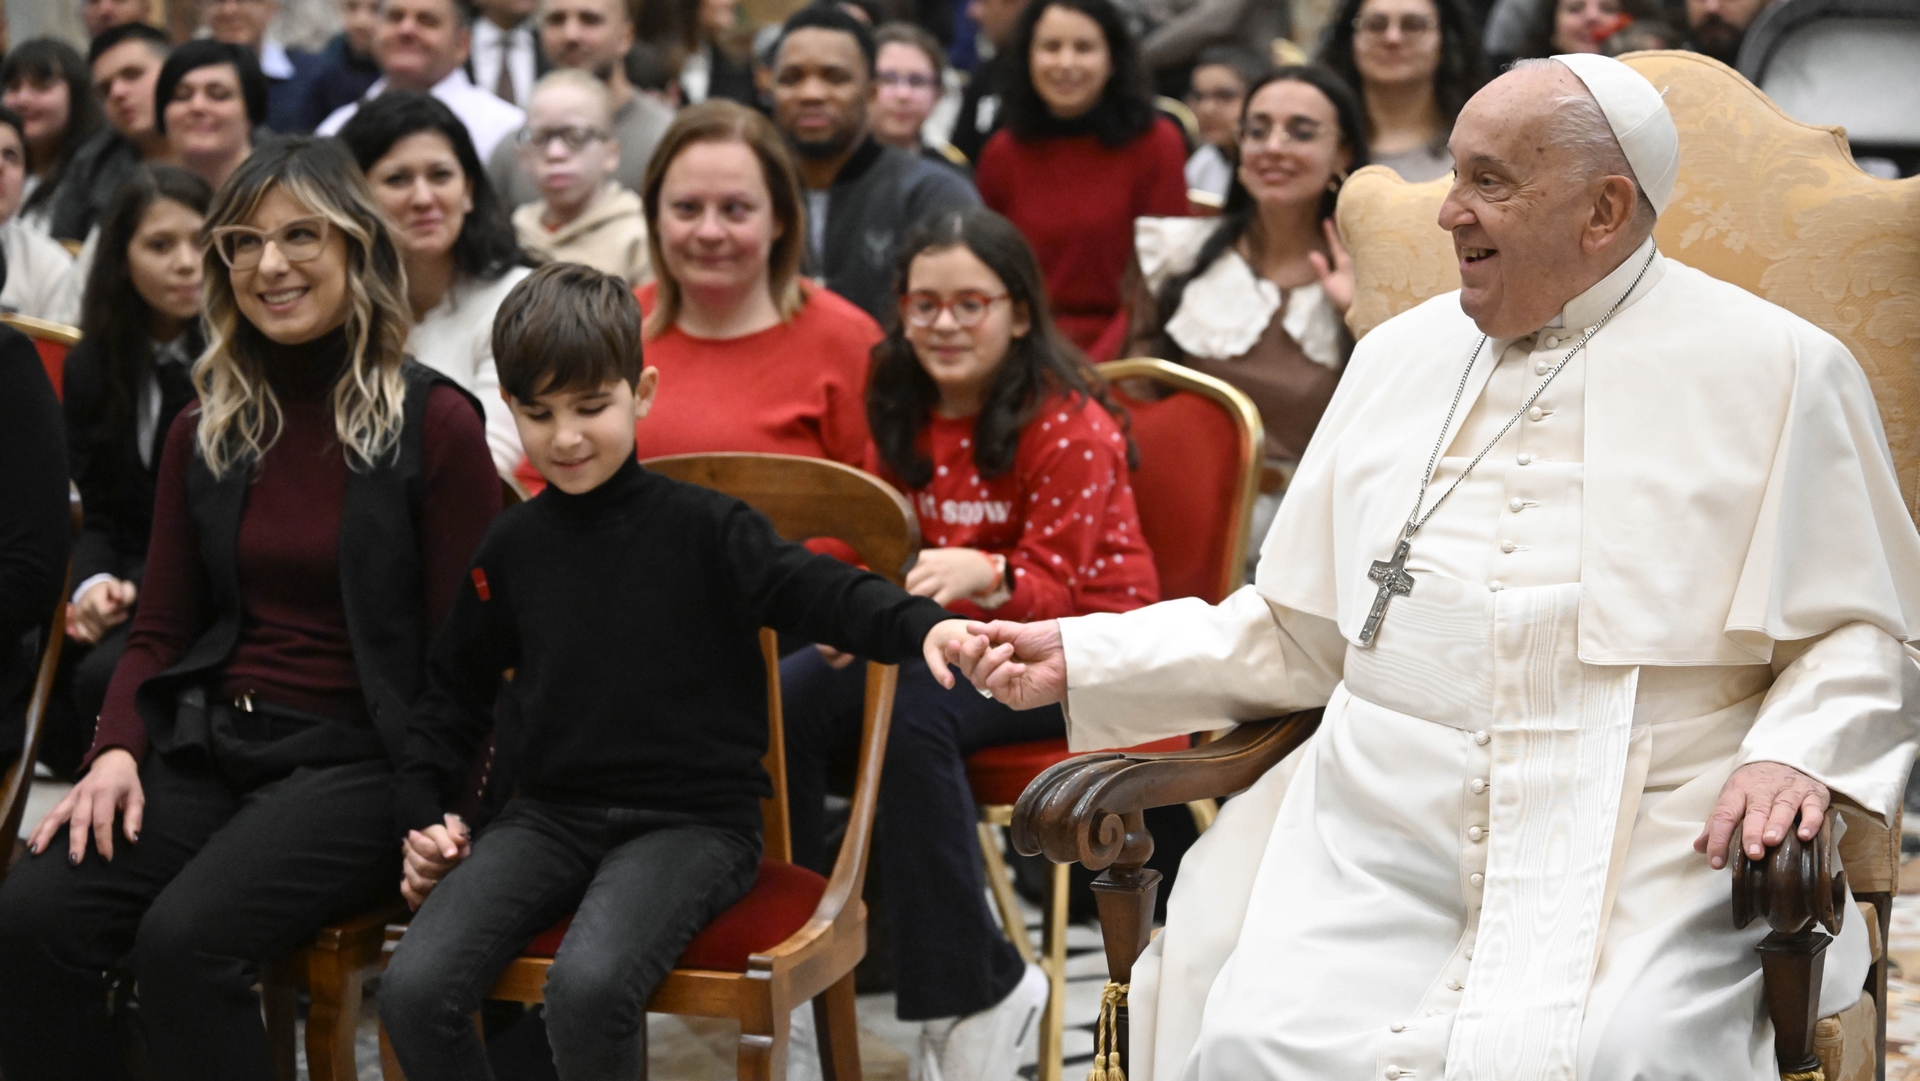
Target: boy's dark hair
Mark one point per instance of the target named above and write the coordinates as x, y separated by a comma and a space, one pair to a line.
1040, 363
110, 38
566, 327
830, 16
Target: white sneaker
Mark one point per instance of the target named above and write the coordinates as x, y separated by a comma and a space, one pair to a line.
803, 1045
991, 1044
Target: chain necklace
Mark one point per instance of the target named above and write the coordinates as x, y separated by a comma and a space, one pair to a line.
1391, 574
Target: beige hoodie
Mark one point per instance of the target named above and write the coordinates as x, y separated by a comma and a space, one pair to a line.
610, 235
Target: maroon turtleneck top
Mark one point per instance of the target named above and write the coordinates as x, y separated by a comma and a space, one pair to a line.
293, 649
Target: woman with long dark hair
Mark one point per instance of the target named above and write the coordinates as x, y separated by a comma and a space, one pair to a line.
1005, 442
1083, 153
1414, 63
454, 237
47, 83
313, 519
124, 383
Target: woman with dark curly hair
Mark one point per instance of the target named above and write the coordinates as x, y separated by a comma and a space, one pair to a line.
48, 84
1582, 26
454, 237
1414, 64
1082, 154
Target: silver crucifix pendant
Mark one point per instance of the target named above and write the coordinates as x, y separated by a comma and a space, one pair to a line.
1394, 582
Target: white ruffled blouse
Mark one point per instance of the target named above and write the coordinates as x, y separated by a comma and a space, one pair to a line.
1227, 307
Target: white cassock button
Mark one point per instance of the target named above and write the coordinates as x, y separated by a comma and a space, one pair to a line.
1540, 367
1536, 413
1516, 504
1508, 547
1477, 879
1524, 458
1481, 738
1552, 341
1474, 833
1479, 785
1392, 1073
1397, 1028
1496, 586
1454, 985
1469, 955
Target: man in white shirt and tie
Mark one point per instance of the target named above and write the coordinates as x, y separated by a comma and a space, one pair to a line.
506, 56
421, 45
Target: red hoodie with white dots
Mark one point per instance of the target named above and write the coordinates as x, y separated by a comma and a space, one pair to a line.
1063, 516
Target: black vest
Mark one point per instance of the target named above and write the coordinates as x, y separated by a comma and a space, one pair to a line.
382, 584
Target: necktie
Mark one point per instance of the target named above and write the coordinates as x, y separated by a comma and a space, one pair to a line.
503, 86
176, 390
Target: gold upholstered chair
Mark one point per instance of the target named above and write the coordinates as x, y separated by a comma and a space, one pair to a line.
1764, 202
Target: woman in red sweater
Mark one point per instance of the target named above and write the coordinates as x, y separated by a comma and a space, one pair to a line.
1083, 153
312, 522
1003, 440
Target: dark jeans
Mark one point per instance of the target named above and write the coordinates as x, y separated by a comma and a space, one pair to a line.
949, 956
221, 881
641, 885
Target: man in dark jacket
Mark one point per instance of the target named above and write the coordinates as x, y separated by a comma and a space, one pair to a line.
862, 197
126, 63
345, 68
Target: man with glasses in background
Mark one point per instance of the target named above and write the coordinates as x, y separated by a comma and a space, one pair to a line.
593, 36
421, 45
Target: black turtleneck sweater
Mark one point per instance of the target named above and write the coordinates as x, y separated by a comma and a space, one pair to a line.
630, 615
293, 650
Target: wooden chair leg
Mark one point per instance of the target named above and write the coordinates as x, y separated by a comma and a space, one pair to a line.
1125, 893
389, 1065
1791, 966
282, 1013
1000, 882
333, 1013
763, 1055
1053, 1020
837, 1024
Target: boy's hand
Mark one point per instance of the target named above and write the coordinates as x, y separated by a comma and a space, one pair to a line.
946, 633
428, 855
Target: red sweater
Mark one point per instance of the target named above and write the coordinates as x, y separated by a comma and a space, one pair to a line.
293, 648
795, 388
1075, 199
1063, 515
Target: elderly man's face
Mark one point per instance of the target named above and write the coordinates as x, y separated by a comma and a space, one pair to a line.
1519, 210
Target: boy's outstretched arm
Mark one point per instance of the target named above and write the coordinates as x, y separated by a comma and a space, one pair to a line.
947, 632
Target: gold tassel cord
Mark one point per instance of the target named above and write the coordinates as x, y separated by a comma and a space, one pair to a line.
1106, 1039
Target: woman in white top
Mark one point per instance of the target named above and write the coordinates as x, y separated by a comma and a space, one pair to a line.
1257, 295
453, 233
34, 263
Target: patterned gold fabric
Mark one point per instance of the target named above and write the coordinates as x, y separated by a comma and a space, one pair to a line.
1763, 201
1845, 1042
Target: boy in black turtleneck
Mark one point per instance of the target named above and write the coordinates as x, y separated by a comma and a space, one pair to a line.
629, 607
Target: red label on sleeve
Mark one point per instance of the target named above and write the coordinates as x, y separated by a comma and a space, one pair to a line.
480, 584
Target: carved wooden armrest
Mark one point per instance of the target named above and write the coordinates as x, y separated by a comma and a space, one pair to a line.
1798, 888
1079, 811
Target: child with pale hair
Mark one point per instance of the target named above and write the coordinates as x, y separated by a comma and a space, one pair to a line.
584, 215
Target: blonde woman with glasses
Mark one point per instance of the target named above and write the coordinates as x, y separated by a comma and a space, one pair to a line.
312, 523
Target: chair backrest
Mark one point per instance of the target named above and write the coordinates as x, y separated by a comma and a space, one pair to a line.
16, 782
806, 498
1200, 451
52, 340
1763, 201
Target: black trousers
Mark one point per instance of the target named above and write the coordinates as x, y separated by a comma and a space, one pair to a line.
222, 880
949, 956
78, 692
641, 885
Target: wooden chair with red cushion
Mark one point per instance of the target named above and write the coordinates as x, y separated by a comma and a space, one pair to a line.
52, 340
796, 937
1199, 442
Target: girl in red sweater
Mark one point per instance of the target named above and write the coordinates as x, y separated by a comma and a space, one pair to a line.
1004, 441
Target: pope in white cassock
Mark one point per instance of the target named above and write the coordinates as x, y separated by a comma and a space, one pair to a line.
1659, 580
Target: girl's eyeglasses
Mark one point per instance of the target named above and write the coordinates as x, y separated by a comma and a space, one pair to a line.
242, 246
922, 308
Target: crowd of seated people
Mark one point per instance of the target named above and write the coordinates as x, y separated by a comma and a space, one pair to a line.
328, 300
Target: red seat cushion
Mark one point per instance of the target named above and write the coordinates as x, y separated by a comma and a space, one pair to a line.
999, 774
1188, 479
781, 901
53, 357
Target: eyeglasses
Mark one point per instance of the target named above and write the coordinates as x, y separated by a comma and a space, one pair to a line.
243, 246
1411, 26
575, 137
922, 307
1222, 97
1259, 130
897, 80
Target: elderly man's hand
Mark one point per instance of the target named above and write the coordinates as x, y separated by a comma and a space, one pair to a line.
1022, 664
1762, 798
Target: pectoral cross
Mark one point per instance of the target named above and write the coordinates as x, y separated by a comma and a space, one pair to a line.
1394, 582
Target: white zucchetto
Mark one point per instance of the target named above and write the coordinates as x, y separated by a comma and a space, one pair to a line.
1639, 119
